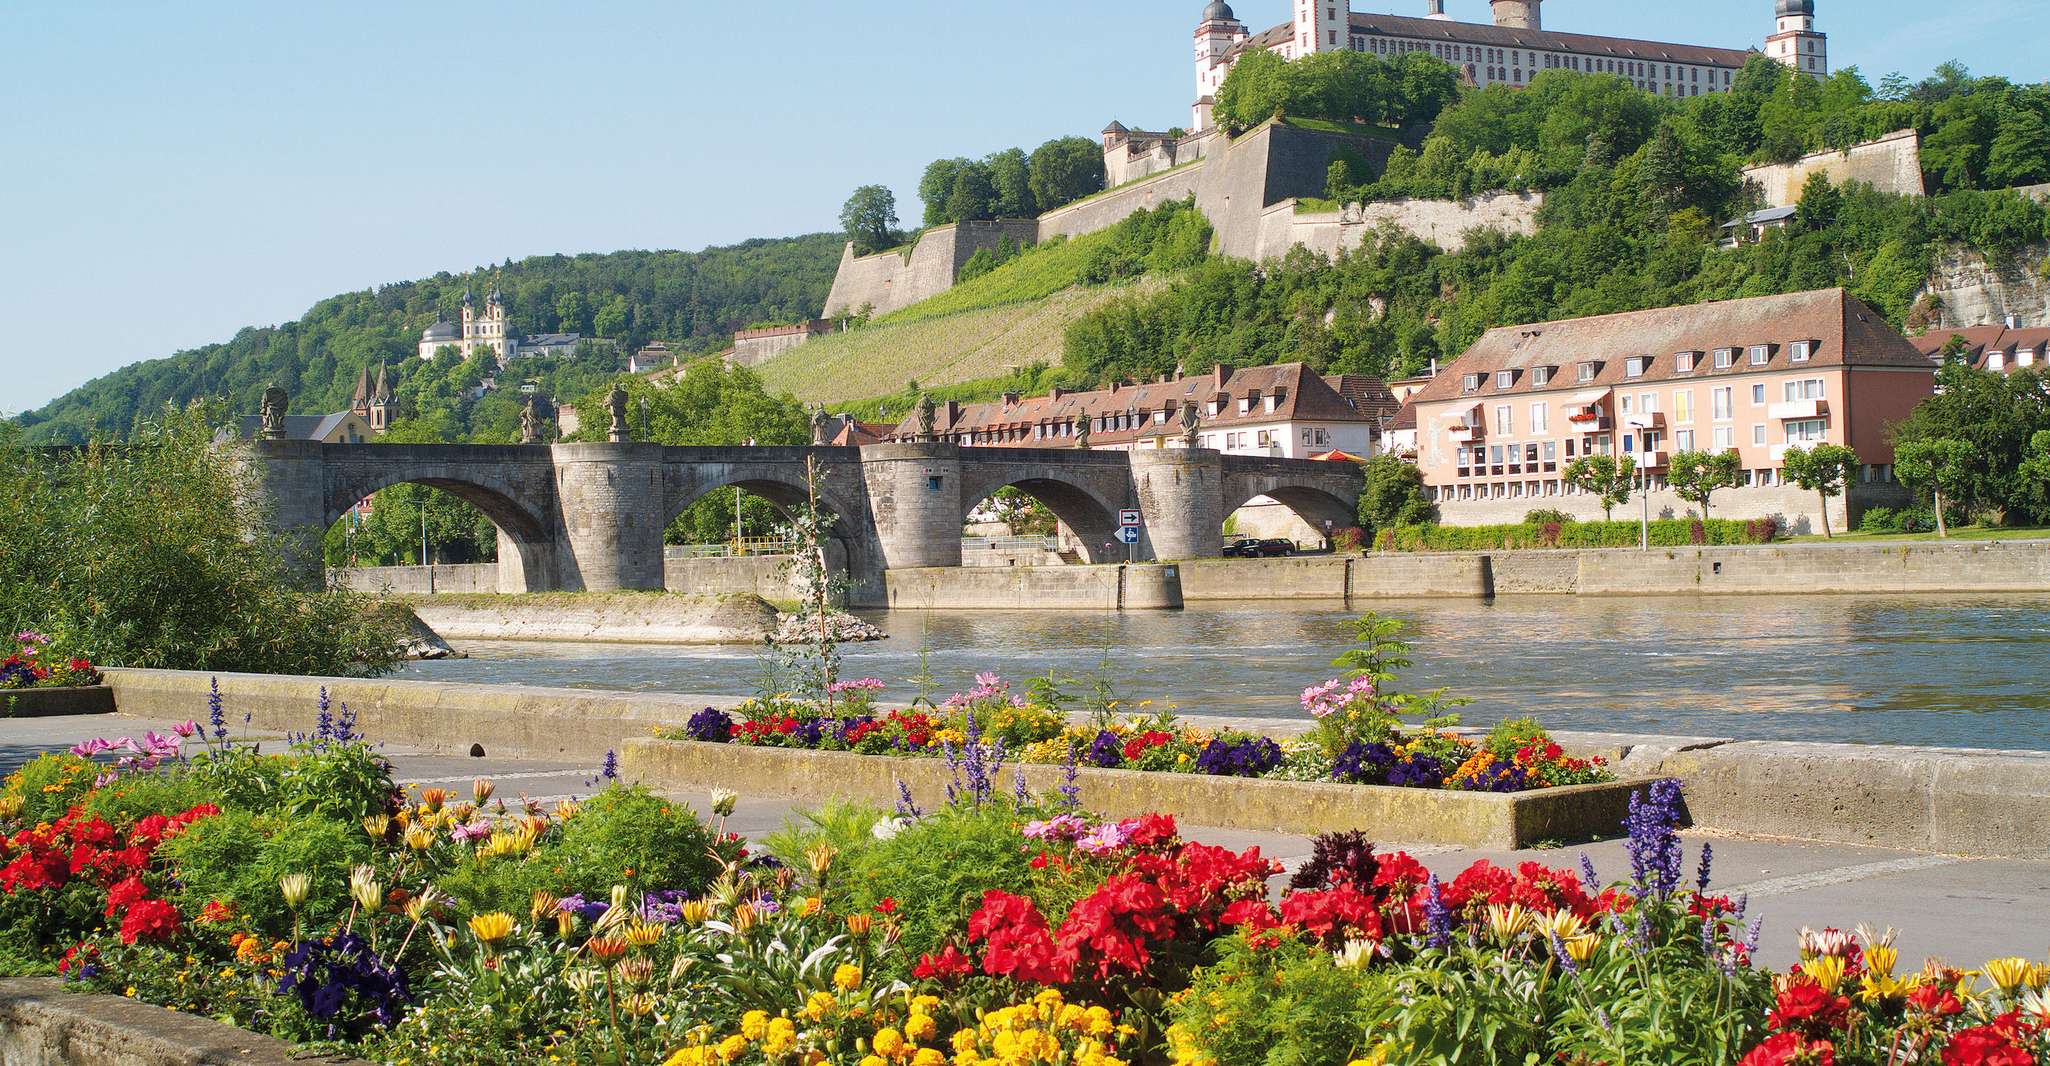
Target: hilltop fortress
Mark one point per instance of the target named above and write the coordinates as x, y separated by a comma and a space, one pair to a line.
1250, 186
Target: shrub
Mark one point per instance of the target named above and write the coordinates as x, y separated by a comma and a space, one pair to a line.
236, 857
1665, 533
1286, 1005
1880, 520
137, 796
1547, 516
628, 835
1762, 530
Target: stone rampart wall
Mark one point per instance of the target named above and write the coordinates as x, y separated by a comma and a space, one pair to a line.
421, 580
1892, 163
754, 351
1444, 223
1105, 210
887, 281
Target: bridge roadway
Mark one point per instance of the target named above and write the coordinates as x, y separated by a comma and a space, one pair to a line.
589, 517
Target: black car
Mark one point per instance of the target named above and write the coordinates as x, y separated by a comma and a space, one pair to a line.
1259, 549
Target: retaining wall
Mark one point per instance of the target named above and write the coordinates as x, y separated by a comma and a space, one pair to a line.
43, 1025
1027, 588
1444, 223
1892, 163
887, 281
767, 576
1107, 209
421, 580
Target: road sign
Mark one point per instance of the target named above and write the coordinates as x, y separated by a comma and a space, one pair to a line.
1129, 520
1129, 534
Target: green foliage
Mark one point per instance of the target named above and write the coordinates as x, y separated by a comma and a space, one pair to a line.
49, 784
1609, 478
694, 300
237, 857
1394, 495
842, 825
1342, 86
1665, 533
1697, 476
1010, 183
869, 218
1825, 470
1287, 1005
1969, 441
137, 796
1064, 170
628, 828
154, 552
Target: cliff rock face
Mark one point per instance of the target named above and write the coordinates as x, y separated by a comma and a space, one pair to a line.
1971, 290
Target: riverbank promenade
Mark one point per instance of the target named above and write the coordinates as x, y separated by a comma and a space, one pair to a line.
1960, 909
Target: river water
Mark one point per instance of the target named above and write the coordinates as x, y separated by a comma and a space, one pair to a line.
1952, 671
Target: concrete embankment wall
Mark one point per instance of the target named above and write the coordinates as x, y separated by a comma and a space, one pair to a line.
634, 618
1778, 569
42, 1024
1957, 801
1028, 588
422, 580
767, 576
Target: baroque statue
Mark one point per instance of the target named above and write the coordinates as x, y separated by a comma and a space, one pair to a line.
530, 423
1191, 422
1082, 431
272, 414
615, 402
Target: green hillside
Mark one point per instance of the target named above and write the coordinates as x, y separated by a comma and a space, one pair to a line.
695, 299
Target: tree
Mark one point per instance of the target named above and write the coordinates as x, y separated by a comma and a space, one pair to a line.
1996, 415
1065, 170
571, 311
974, 196
1696, 476
2020, 154
869, 218
1609, 478
936, 187
1394, 495
1820, 203
2034, 474
1941, 467
612, 319
1010, 171
1825, 470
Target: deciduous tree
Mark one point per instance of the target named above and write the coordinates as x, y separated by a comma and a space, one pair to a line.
1824, 470
1608, 478
869, 218
1941, 467
1697, 476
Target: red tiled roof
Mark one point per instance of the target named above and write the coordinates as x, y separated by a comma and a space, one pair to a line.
1982, 339
1483, 34
1843, 330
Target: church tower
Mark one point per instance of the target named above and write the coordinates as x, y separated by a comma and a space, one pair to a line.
469, 323
1519, 14
1321, 26
1218, 33
1794, 40
379, 412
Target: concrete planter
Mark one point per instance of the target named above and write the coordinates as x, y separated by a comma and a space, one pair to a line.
41, 1024
1403, 815
55, 702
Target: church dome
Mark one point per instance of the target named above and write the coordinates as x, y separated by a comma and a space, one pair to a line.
1219, 11
440, 331
1796, 7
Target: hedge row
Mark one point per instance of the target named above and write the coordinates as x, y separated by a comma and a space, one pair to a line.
1665, 533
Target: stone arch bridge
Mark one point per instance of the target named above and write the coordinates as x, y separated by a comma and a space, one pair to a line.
590, 516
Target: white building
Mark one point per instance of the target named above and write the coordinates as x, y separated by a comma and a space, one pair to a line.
491, 331
1512, 50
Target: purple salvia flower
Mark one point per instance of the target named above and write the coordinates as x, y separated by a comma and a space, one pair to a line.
1751, 934
953, 766
324, 722
1566, 962
1701, 878
1018, 789
1071, 790
1708, 928
1437, 918
1655, 852
213, 709
1743, 904
345, 726
609, 771
1588, 880
905, 807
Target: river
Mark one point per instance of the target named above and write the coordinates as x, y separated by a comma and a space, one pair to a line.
1947, 671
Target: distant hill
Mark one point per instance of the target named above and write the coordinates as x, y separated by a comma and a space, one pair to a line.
695, 299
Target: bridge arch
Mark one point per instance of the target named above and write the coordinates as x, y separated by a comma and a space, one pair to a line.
1323, 501
782, 485
1086, 505
525, 537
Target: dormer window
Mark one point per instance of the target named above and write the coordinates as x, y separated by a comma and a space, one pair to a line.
1217, 404
1761, 354
1274, 400
1588, 371
1996, 360
1505, 379
1801, 351
1247, 401
1470, 383
1636, 365
1683, 362
1541, 376
1725, 358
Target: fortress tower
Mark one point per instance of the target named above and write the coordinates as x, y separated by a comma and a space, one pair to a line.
1321, 26
1216, 36
1794, 40
1519, 14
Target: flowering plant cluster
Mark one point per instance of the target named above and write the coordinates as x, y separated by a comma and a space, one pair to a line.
33, 665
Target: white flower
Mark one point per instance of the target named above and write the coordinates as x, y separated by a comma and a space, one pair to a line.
888, 828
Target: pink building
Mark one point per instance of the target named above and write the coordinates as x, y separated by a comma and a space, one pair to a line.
1497, 428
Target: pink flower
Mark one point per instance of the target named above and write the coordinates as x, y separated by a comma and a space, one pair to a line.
1103, 839
186, 729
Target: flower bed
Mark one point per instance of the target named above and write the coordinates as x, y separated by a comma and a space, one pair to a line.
35, 666
301, 894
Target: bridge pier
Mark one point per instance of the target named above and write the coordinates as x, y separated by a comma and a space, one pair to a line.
609, 497
914, 493
1181, 493
286, 481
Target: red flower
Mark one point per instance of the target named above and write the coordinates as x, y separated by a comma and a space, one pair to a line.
887, 906
1935, 1000
216, 911
1399, 875
149, 919
1251, 913
1803, 1006
1154, 830
1985, 1046
1333, 916
1791, 1049
947, 966
1019, 945
126, 892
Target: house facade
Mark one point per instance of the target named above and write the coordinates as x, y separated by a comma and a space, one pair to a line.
1497, 429
2003, 349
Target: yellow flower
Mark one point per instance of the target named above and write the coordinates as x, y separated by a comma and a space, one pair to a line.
419, 838
921, 1027
1880, 959
754, 1023
732, 1048
375, 825
294, 888
889, 1042
491, 928
643, 934
1510, 922
847, 977
781, 1037
819, 1004
964, 1042
2008, 974
874, 1060
1825, 970
928, 1056
1581, 948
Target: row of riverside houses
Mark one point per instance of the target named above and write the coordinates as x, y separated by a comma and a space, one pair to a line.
1494, 432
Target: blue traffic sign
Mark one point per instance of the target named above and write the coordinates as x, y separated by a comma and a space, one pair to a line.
1129, 534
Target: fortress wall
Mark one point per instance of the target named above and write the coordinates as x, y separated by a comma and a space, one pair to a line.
1273, 163
1444, 223
1892, 163
756, 350
1108, 209
887, 281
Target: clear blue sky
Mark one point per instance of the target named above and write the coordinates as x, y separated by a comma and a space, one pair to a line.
175, 171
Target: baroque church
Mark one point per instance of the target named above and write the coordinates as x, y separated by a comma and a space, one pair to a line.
1512, 50
491, 331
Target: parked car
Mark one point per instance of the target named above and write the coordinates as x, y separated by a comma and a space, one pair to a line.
1259, 549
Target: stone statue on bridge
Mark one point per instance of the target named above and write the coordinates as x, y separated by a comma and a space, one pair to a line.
1191, 423
271, 416
820, 425
530, 423
1082, 432
928, 417
615, 402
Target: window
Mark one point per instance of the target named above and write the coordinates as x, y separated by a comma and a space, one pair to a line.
1683, 405
1807, 431
1757, 395
1622, 404
1683, 440
1724, 357
1247, 401
1589, 370
1807, 389
1761, 354
1470, 383
1635, 366
1725, 438
1647, 403
1551, 452
1683, 362
1541, 376
1539, 423
1505, 419
1995, 360
1800, 351
1505, 379
1307, 438
1720, 402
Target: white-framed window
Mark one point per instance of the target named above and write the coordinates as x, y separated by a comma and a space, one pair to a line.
1683, 440
1539, 422
1541, 376
1308, 437
1551, 451
1805, 389
1807, 431
1505, 419
1589, 370
1623, 404
1683, 362
1996, 360
1725, 358
1683, 405
1758, 395
1800, 351
1761, 354
1725, 438
1758, 434
1721, 402
1636, 365
1647, 403
1505, 379
1470, 383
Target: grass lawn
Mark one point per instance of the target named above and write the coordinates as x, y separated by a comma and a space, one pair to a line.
1961, 533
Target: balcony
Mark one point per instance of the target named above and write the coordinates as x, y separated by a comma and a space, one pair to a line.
1466, 434
1645, 420
1651, 460
1798, 409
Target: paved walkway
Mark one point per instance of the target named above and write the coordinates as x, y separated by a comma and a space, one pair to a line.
1960, 909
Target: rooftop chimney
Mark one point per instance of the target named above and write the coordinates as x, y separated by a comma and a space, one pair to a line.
1436, 10
1010, 400
1219, 373
2012, 321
